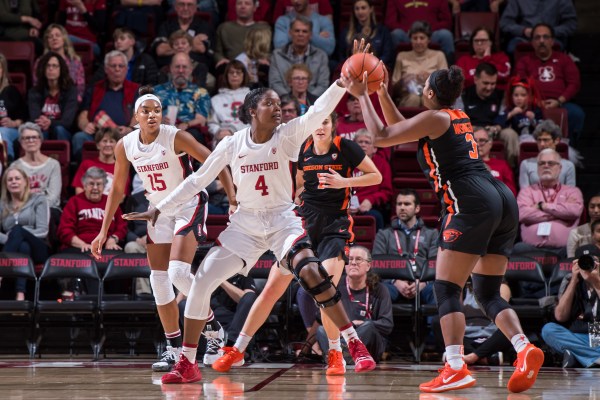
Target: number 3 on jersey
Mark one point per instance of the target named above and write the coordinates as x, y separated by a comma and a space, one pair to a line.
157, 183
474, 154
261, 186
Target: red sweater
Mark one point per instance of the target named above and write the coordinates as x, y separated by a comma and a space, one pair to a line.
499, 60
382, 193
557, 76
83, 219
501, 170
403, 13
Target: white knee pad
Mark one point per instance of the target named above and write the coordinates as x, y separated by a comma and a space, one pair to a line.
219, 265
161, 287
180, 275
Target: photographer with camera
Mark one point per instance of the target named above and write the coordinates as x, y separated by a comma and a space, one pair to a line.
577, 333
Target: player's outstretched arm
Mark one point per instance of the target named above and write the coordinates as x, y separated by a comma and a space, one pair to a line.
115, 196
184, 141
197, 181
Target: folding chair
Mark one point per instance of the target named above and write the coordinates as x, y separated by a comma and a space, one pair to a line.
124, 309
18, 313
396, 267
76, 314
525, 269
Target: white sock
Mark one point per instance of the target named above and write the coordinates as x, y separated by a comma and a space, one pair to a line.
454, 356
189, 351
335, 344
349, 333
242, 342
519, 342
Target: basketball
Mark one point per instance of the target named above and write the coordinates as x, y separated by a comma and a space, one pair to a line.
357, 64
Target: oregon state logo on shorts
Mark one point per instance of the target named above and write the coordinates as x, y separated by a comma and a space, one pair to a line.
450, 235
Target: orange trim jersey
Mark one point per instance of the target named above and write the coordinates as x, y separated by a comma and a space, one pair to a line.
450, 157
343, 157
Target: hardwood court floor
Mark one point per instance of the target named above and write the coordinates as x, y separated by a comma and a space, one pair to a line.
131, 380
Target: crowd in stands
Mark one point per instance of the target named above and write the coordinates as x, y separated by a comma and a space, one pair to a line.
203, 58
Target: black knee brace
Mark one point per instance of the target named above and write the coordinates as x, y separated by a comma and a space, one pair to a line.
447, 297
486, 289
321, 287
296, 248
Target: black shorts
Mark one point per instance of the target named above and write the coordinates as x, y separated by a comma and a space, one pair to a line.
330, 234
197, 223
482, 217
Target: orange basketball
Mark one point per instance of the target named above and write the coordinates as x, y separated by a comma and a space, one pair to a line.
357, 64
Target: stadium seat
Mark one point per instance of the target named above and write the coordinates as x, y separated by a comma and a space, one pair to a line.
86, 54
396, 267
20, 57
530, 150
497, 150
77, 314
364, 230
89, 151
559, 271
19, 80
525, 270
122, 308
18, 314
560, 117
466, 22
404, 161
60, 150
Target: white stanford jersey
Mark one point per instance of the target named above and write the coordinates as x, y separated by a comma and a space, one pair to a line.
261, 172
160, 169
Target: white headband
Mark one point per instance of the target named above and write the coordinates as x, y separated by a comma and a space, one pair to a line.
145, 97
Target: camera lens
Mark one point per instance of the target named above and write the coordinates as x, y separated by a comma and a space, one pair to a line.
586, 262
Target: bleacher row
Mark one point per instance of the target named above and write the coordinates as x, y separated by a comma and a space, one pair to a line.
111, 304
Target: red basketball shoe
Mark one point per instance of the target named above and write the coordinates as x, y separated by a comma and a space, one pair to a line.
183, 372
363, 361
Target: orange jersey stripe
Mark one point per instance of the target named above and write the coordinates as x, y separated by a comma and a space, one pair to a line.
432, 167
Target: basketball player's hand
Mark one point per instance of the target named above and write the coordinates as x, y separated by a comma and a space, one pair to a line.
383, 88
360, 47
332, 180
355, 87
151, 215
232, 208
97, 245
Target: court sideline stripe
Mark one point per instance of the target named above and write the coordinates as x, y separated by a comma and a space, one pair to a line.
270, 379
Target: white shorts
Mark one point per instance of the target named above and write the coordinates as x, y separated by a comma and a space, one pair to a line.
192, 216
251, 233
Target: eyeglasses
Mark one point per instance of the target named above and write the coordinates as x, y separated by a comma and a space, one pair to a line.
52, 66
540, 37
364, 141
235, 72
288, 110
30, 138
483, 142
480, 41
548, 163
357, 260
300, 78
115, 66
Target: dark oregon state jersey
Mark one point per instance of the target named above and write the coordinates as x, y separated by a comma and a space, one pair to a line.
452, 155
343, 157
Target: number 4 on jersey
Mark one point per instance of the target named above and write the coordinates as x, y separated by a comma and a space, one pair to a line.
262, 186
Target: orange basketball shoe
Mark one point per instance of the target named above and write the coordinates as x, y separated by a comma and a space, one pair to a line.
183, 372
449, 379
336, 365
231, 357
528, 363
363, 361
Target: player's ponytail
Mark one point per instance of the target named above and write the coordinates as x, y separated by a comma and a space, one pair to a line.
447, 84
147, 89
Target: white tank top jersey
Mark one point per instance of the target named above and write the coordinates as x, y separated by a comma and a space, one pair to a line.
160, 169
261, 172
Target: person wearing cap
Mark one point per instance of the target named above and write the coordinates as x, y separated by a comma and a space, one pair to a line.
578, 311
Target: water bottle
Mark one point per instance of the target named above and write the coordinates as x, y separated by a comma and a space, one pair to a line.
3, 112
